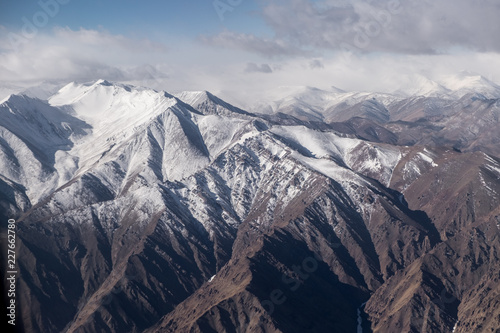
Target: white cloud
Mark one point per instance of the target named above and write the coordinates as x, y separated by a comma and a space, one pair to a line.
381, 73
248, 42
66, 55
75, 55
316, 63
408, 27
254, 68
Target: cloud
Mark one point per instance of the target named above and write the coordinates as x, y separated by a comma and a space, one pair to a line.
66, 55
76, 55
378, 73
252, 43
316, 63
407, 27
254, 68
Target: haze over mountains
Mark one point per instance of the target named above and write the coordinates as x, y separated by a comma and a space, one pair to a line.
312, 211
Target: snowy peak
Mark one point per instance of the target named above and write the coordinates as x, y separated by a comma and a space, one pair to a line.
466, 83
104, 104
302, 102
312, 96
137, 120
209, 104
313, 104
103, 83
451, 87
74, 92
423, 86
193, 97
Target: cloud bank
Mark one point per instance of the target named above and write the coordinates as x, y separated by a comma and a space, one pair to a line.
80, 55
395, 26
354, 45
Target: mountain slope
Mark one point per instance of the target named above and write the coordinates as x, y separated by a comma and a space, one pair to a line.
208, 104
186, 214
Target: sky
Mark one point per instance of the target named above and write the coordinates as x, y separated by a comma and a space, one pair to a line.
241, 49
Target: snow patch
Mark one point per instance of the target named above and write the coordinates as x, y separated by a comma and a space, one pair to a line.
319, 144
218, 132
488, 188
427, 159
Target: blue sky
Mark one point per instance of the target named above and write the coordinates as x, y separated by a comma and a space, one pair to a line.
259, 45
148, 19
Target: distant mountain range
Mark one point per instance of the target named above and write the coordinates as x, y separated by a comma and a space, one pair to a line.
312, 211
310, 103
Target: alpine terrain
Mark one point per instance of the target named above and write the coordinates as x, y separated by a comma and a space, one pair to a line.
313, 211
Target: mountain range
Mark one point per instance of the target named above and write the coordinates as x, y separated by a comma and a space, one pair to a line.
316, 211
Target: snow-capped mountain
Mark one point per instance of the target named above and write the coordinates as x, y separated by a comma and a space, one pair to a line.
313, 104
141, 211
469, 83
451, 87
422, 86
336, 105
209, 104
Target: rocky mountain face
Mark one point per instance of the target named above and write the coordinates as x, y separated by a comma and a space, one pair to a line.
141, 211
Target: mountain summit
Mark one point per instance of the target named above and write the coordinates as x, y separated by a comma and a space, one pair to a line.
466, 83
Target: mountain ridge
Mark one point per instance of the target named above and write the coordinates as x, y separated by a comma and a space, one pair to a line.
196, 216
